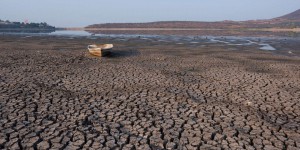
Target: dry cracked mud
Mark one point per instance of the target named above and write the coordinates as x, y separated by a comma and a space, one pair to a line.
53, 95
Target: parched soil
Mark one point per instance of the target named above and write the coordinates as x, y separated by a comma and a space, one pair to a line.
54, 95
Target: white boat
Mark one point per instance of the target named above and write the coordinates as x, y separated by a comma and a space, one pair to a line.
100, 49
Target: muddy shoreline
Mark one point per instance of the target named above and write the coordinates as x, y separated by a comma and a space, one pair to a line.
149, 94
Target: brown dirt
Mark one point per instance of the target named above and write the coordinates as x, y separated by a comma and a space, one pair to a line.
146, 96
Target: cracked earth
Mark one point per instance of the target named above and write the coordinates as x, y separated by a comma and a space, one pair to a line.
53, 95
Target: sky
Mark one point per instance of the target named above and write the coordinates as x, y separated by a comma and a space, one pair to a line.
80, 13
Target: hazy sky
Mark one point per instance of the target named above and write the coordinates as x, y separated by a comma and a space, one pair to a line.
79, 13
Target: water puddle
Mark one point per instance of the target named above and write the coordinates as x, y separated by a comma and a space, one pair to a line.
194, 42
163, 41
27, 36
218, 41
267, 47
236, 44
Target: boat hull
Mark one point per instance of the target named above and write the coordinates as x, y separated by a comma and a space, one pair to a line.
100, 53
100, 50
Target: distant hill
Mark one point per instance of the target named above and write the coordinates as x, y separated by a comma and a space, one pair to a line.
21, 25
292, 16
291, 20
166, 24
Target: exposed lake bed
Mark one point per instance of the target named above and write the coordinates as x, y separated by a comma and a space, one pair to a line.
153, 92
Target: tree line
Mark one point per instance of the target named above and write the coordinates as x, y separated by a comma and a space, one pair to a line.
12, 25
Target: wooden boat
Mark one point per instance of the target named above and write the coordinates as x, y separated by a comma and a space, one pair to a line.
100, 49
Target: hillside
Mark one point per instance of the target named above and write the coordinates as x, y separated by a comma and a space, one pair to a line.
166, 24
292, 16
291, 20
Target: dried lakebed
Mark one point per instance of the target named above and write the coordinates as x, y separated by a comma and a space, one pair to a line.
147, 95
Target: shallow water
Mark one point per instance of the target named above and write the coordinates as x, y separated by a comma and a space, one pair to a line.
71, 33
261, 43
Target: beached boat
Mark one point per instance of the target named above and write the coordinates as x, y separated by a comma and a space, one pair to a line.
100, 49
